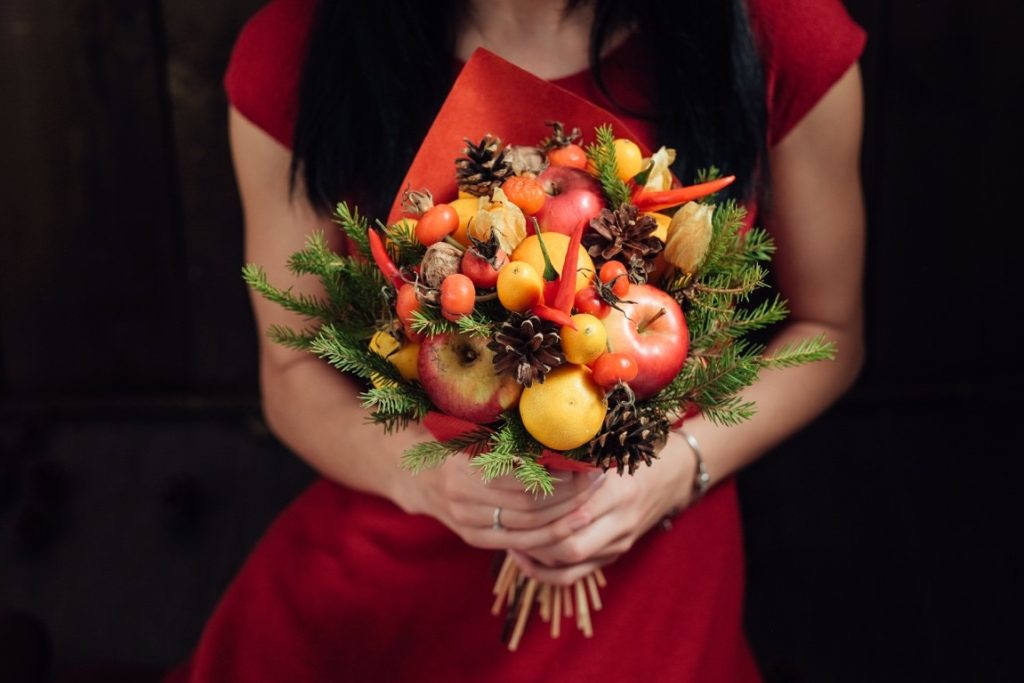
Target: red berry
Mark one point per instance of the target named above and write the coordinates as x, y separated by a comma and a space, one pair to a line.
611, 368
614, 272
458, 296
589, 301
405, 306
436, 223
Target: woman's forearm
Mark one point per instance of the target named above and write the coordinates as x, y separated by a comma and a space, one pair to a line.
786, 400
316, 412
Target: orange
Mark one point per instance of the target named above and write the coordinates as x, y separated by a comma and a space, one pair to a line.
629, 160
588, 341
465, 207
557, 244
566, 411
662, 220
520, 286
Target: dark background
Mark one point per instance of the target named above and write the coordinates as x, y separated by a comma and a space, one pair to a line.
136, 472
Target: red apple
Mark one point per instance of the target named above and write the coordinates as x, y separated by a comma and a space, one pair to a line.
457, 372
653, 332
574, 196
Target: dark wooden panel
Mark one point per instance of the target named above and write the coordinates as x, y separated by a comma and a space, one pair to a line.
943, 175
198, 39
90, 271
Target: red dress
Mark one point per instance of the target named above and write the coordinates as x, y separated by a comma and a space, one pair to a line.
345, 586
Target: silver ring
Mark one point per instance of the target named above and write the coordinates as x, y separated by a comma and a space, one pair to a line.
496, 520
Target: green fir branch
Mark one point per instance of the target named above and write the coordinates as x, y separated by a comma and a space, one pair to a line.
730, 412
412, 408
352, 354
428, 320
402, 245
354, 225
758, 245
476, 324
513, 450
534, 477
602, 156
317, 258
309, 306
738, 323
430, 454
799, 353
494, 464
293, 339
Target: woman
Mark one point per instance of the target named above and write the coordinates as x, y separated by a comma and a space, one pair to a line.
375, 575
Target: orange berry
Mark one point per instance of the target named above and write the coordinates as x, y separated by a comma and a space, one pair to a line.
629, 160
587, 342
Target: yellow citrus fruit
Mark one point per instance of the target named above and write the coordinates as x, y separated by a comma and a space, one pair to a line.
465, 207
404, 357
629, 160
557, 244
588, 341
662, 220
520, 286
566, 411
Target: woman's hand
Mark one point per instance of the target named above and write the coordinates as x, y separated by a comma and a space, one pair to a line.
618, 513
456, 495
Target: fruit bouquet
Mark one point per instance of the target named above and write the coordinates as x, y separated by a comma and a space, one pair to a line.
550, 300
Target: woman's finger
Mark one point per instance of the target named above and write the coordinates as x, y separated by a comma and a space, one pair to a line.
559, 576
517, 519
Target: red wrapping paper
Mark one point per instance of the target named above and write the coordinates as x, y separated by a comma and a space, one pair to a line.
494, 96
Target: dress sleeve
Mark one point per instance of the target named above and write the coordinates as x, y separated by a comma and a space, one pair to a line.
806, 46
262, 79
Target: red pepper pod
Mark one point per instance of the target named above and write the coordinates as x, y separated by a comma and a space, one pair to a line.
567, 282
383, 261
654, 201
553, 315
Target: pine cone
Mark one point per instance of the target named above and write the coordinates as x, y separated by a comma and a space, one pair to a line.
624, 235
484, 167
629, 436
559, 137
528, 347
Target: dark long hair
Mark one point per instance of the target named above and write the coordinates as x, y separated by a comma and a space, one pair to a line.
376, 74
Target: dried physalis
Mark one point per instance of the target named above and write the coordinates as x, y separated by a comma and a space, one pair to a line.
689, 235
659, 177
502, 218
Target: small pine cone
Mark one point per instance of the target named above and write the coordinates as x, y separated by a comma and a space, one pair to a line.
625, 235
527, 347
484, 167
629, 436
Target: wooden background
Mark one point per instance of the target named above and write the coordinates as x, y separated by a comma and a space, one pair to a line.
136, 473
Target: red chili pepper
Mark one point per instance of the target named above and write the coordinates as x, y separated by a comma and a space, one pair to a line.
553, 314
653, 201
383, 261
567, 282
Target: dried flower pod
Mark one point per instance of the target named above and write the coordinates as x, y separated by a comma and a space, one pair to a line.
525, 159
502, 218
417, 202
660, 177
689, 235
440, 260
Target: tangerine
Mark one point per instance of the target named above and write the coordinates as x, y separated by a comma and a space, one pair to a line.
629, 160
557, 245
566, 411
520, 286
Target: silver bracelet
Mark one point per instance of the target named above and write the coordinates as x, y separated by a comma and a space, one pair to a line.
701, 478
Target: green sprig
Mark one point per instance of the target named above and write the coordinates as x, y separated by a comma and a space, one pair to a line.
602, 156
